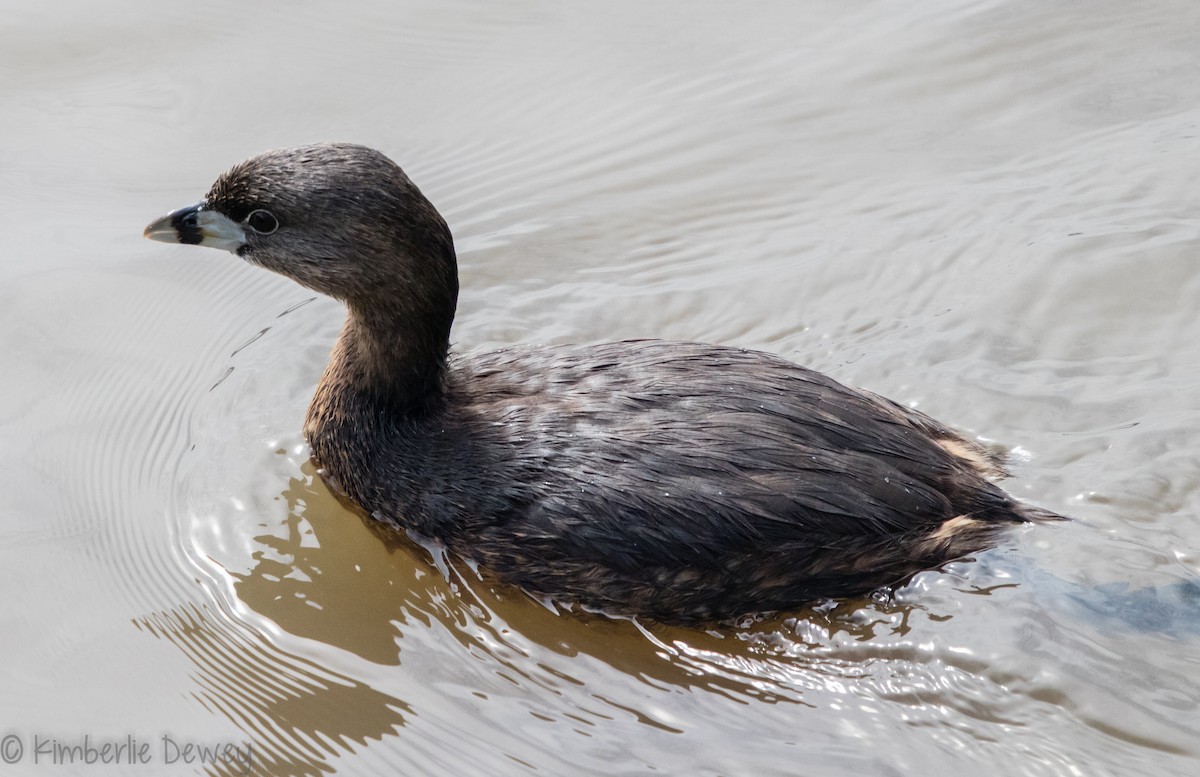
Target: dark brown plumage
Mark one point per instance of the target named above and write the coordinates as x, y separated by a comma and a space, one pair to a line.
679, 481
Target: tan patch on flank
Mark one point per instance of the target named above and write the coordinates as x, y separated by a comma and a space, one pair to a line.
956, 537
969, 453
952, 528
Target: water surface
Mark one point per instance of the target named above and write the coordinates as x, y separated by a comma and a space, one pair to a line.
986, 210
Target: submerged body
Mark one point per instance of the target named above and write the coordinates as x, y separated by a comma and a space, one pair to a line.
682, 482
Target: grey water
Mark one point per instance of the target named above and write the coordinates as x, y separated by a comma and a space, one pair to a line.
986, 209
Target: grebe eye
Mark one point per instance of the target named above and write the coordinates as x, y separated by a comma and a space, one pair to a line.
262, 222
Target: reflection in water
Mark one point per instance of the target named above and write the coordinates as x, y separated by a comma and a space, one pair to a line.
439, 632
331, 577
324, 574
318, 580
296, 714
336, 578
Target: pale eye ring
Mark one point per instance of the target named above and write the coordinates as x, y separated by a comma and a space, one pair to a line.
262, 221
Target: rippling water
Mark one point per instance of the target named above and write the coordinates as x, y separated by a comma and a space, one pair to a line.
983, 209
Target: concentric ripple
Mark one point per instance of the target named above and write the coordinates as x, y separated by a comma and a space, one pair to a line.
983, 209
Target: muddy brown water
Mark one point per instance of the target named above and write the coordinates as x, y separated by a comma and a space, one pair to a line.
987, 210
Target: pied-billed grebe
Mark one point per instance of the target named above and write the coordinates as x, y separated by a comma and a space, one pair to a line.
679, 481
